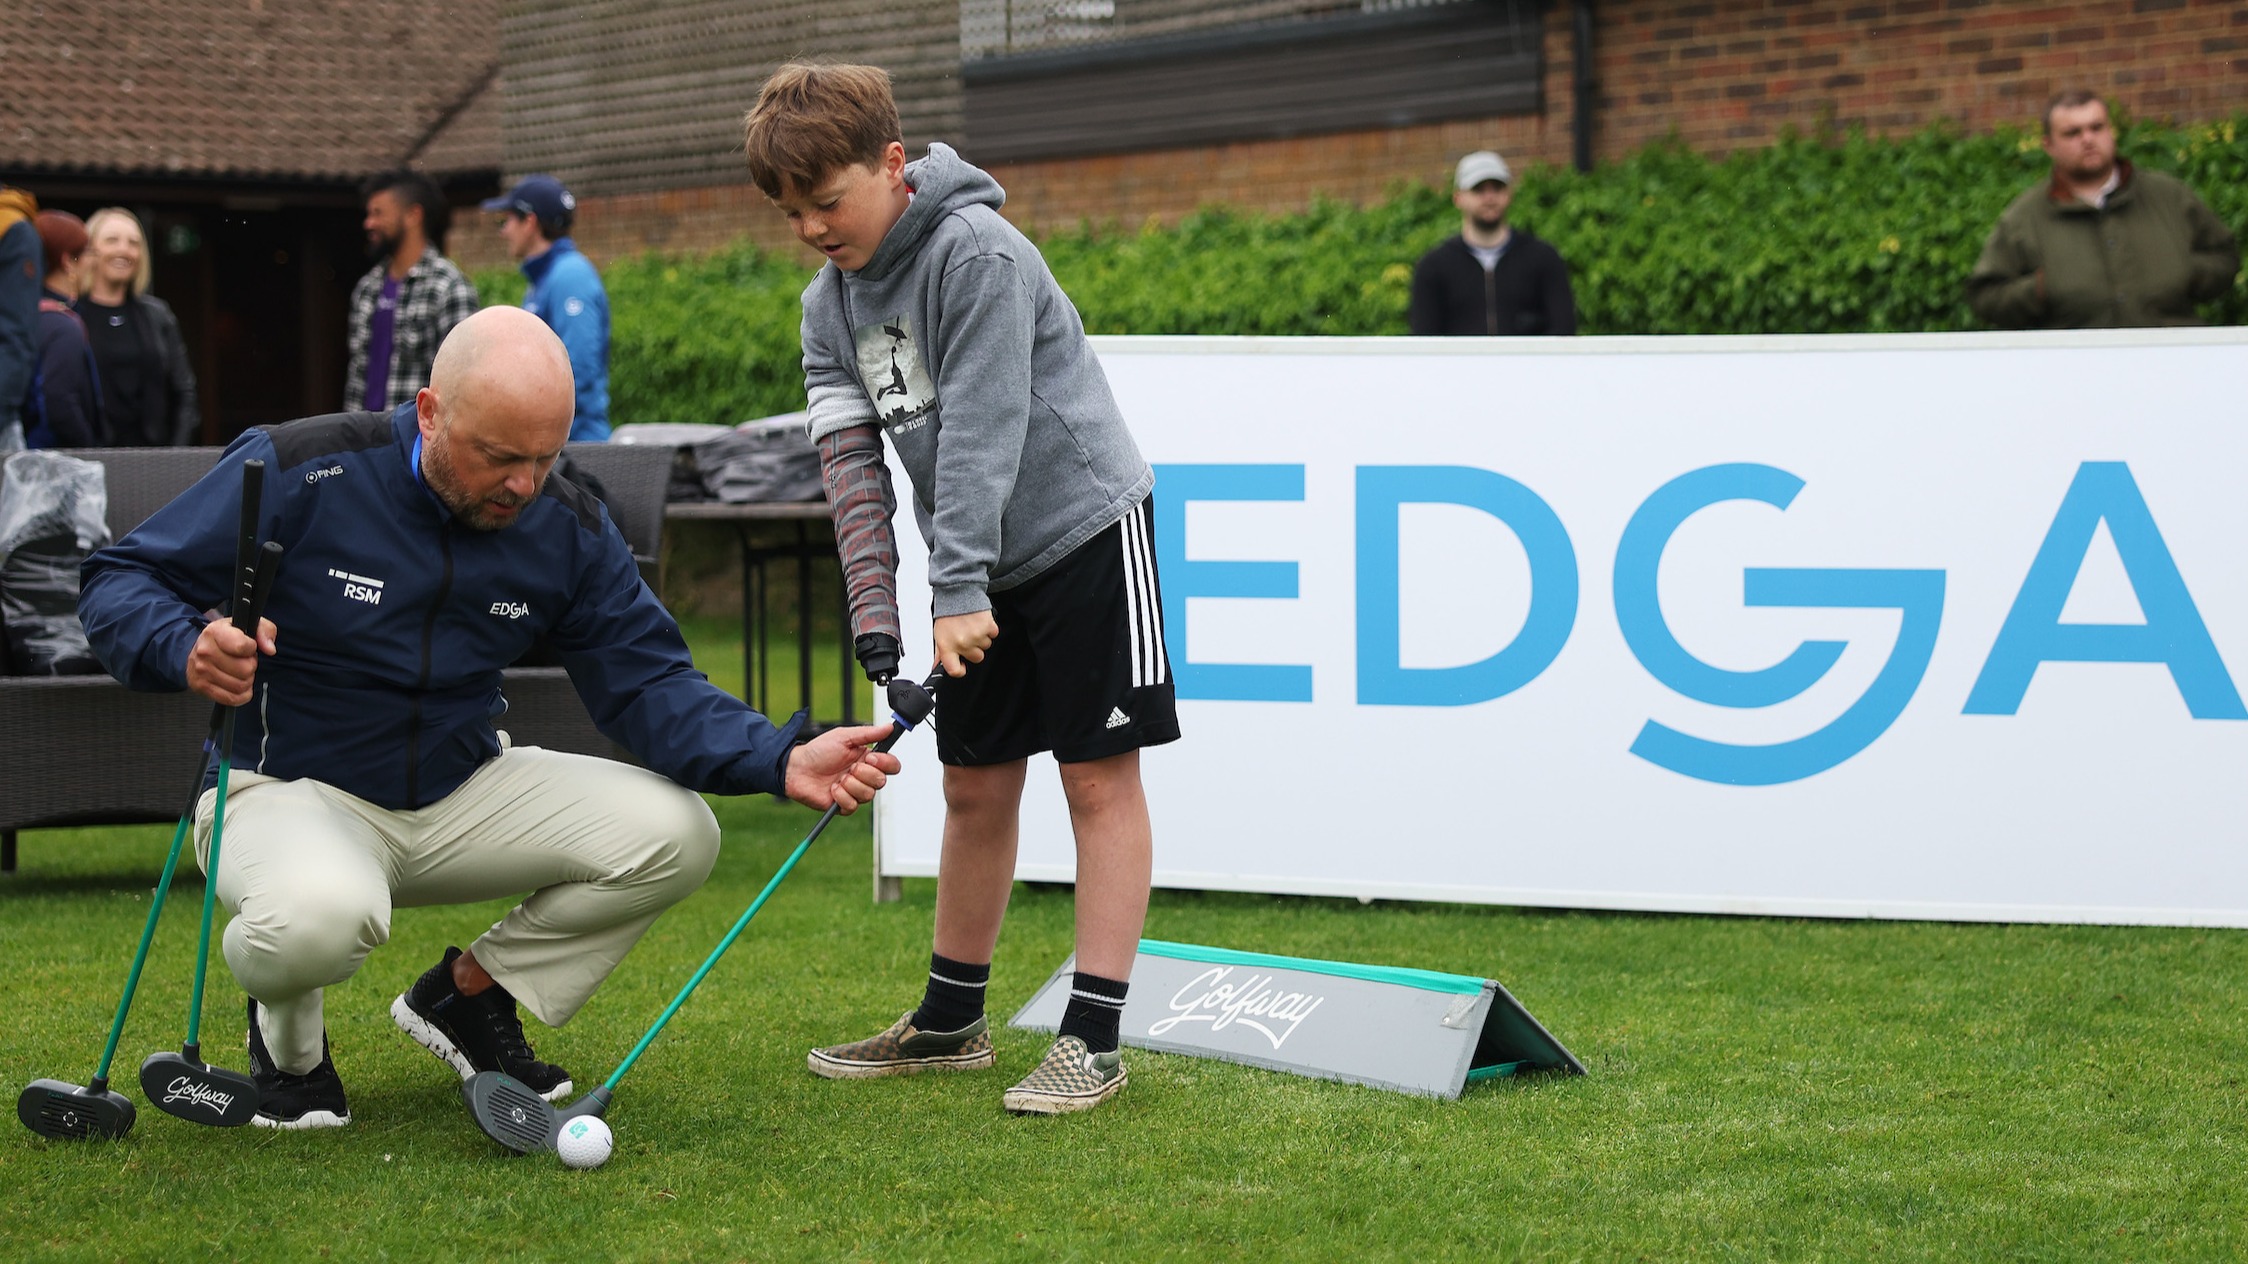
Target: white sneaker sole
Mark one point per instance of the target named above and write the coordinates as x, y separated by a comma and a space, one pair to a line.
305, 1122
1035, 1102
428, 1037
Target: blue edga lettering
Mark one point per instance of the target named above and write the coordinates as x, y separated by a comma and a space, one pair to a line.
1917, 594
1180, 485
1383, 679
2173, 634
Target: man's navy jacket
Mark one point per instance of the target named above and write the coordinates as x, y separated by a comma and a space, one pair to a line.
393, 621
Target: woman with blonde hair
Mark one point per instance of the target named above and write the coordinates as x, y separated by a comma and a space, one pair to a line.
148, 390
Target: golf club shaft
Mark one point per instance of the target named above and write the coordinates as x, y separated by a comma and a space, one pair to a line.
898, 729
249, 608
156, 904
253, 494
193, 1047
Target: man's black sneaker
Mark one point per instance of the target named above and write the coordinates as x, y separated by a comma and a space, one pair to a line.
474, 1033
295, 1102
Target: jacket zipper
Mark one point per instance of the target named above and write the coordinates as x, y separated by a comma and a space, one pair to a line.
1491, 299
429, 629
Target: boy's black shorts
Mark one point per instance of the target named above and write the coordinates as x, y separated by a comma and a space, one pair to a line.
1078, 667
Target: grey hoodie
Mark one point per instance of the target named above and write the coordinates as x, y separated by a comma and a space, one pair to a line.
956, 341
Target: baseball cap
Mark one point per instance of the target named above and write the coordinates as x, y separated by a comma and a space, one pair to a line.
1480, 166
540, 197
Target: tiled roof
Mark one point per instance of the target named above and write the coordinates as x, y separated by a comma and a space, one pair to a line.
302, 89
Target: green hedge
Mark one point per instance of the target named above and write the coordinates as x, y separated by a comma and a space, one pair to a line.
713, 338
1809, 235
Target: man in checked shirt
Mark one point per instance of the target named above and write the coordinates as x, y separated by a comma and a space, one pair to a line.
413, 296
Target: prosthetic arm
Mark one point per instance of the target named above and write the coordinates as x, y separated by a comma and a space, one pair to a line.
860, 499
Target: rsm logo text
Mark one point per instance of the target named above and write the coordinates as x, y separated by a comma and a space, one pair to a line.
2173, 633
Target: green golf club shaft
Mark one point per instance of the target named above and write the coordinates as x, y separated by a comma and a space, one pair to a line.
210, 894
899, 728
155, 908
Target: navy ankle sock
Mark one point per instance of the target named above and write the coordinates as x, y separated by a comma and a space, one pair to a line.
955, 997
1095, 1009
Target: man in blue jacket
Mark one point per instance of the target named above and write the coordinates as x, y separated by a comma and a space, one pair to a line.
565, 290
426, 549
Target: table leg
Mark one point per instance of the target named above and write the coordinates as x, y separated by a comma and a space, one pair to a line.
804, 615
749, 617
849, 676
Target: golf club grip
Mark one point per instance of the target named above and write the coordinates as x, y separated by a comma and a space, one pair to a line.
249, 607
899, 725
256, 584
253, 496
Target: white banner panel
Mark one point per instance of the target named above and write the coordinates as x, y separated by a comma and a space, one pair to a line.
1911, 626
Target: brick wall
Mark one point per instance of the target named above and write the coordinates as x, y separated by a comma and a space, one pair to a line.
1729, 73
1720, 74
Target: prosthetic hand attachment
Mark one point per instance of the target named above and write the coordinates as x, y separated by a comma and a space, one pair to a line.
878, 653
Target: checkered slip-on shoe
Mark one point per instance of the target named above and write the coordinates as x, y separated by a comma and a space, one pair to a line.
902, 1049
1071, 1078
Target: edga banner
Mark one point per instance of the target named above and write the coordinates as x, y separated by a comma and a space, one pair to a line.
1942, 626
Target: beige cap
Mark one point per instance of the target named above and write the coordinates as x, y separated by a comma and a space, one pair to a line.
1479, 166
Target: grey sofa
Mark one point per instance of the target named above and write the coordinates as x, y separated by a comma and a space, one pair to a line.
84, 750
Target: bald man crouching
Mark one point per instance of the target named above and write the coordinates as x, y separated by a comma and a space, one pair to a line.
426, 549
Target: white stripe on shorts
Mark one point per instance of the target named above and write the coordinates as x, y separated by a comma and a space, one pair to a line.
1149, 661
1132, 613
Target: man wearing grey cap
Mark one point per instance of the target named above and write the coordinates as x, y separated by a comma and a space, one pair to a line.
565, 290
1493, 278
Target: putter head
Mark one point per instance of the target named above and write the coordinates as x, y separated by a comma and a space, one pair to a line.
512, 1114
69, 1112
197, 1091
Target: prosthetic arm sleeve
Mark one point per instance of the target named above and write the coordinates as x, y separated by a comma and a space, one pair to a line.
861, 501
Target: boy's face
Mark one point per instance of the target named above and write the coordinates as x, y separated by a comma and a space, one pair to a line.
847, 214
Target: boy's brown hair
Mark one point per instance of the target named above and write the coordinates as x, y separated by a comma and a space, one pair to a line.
812, 120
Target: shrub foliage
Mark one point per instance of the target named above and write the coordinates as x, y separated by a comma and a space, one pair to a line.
1829, 234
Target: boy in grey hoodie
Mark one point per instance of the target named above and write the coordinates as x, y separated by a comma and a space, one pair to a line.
936, 322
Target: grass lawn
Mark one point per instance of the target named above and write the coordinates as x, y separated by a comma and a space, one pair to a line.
1760, 1089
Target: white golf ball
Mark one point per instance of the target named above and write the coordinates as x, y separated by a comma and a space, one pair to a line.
585, 1142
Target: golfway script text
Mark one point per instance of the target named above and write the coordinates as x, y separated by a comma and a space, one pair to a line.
184, 1089
1209, 998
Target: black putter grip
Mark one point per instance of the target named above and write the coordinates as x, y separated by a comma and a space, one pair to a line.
246, 562
256, 584
253, 494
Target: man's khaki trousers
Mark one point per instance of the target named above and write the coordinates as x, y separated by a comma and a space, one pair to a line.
312, 873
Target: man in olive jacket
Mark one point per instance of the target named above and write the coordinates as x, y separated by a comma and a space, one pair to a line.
2102, 244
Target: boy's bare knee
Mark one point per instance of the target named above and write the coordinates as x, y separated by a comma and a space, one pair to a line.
1097, 782
983, 791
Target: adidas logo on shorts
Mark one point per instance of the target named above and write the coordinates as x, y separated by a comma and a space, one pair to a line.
1117, 719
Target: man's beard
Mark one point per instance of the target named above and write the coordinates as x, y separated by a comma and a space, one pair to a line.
1483, 225
467, 509
381, 246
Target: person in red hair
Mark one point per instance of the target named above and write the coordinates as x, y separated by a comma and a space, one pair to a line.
63, 407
